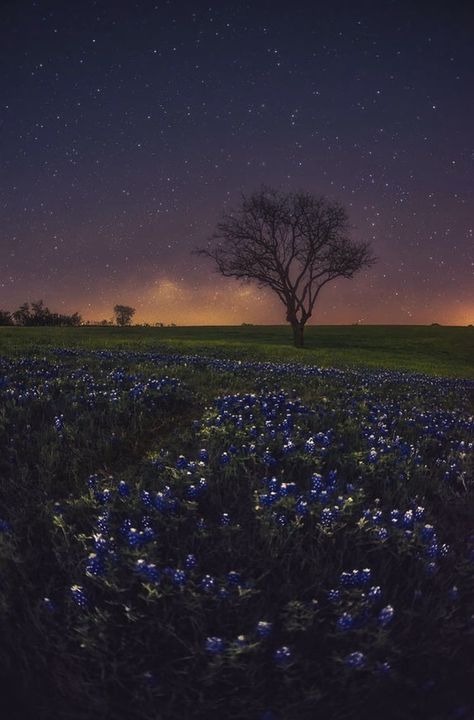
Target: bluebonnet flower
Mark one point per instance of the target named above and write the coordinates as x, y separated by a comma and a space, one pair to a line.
264, 628
383, 669
374, 594
432, 550
224, 458
427, 532
92, 481
386, 615
345, 622
101, 543
148, 571
334, 596
301, 507
215, 645
207, 583
181, 462
317, 482
126, 526
161, 502
123, 489
201, 524
103, 522
365, 576
190, 561
346, 579
419, 513
147, 534
444, 550
58, 509
372, 456
382, 533
356, 660
48, 604
5, 526
453, 593
223, 593
203, 455
192, 492
233, 578
431, 568
179, 578
282, 656
103, 496
224, 520
241, 641
95, 565
79, 597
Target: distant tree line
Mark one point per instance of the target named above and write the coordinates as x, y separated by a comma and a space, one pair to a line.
37, 314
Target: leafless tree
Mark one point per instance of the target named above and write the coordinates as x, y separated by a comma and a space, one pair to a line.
293, 243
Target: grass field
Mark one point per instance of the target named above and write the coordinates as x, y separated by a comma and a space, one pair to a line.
445, 351
187, 532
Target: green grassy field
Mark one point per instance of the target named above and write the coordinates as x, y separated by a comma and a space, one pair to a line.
444, 351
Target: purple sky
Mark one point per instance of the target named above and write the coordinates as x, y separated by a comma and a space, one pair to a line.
126, 129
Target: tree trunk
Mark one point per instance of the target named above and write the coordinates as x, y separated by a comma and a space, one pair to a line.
298, 330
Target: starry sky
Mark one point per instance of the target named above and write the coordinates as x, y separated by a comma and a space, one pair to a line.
126, 128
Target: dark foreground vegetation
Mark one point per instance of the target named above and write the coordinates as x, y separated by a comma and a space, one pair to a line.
185, 536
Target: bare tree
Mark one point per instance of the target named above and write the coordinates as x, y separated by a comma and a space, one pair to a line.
293, 243
123, 314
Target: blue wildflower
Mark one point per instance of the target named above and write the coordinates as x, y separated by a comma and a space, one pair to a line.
190, 561
95, 565
386, 615
79, 596
282, 656
345, 622
356, 660
224, 458
207, 583
215, 645
123, 489
179, 578
233, 578
264, 628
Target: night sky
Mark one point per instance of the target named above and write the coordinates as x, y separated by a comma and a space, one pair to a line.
127, 127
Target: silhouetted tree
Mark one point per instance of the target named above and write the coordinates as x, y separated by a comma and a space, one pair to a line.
22, 315
5, 318
123, 314
293, 243
39, 315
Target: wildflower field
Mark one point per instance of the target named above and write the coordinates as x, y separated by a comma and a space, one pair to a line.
197, 536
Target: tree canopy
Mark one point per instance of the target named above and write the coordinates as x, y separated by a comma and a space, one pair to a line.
123, 314
293, 243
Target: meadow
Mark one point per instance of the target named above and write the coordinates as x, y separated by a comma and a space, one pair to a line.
435, 350
207, 523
